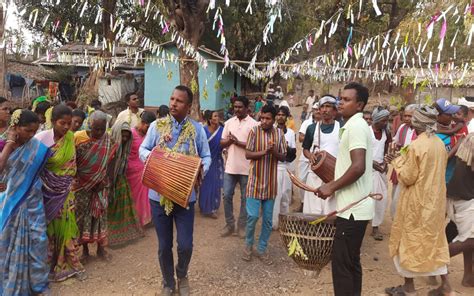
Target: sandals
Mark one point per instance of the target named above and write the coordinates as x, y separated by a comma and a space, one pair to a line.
439, 292
398, 291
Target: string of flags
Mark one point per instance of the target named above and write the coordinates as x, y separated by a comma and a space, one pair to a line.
378, 57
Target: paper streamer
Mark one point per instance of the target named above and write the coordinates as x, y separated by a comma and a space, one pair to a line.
376, 8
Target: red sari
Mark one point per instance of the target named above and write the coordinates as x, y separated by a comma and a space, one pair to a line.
134, 177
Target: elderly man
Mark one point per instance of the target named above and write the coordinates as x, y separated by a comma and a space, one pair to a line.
404, 136
322, 135
94, 151
178, 133
380, 141
418, 241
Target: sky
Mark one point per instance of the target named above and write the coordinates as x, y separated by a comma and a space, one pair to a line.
14, 22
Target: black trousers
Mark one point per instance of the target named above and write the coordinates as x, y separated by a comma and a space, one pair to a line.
346, 268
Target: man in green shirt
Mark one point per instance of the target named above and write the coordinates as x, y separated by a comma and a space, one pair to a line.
353, 180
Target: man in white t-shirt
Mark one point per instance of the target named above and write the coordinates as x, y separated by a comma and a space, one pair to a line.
303, 163
309, 102
133, 112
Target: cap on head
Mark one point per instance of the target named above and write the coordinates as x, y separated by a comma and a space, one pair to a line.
445, 106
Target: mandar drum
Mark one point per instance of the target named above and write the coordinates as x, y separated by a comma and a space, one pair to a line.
324, 166
171, 174
315, 240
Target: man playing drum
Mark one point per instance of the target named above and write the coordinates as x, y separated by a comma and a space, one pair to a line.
322, 135
353, 180
181, 134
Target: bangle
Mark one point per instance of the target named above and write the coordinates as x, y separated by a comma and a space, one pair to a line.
11, 141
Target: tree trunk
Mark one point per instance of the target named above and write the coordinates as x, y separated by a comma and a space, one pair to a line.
188, 75
3, 56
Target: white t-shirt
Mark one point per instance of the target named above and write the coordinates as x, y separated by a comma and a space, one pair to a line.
470, 126
303, 128
290, 138
309, 101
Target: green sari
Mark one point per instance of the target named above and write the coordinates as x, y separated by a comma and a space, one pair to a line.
62, 230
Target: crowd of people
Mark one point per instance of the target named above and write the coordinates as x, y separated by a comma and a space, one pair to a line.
72, 179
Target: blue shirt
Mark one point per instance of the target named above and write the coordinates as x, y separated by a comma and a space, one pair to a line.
202, 147
452, 161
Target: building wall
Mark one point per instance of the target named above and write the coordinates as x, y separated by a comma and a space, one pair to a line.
158, 88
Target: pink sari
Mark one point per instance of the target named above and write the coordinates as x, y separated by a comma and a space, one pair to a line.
134, 177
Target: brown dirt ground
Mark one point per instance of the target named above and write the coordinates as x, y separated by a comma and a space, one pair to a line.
217, 268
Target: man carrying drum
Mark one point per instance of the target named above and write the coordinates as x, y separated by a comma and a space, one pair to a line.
322, 135
353, 180
181, 134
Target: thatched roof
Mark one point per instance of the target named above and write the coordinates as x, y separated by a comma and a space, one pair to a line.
28, 70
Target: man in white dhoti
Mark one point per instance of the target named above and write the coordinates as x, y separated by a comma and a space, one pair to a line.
322, 135
303, 162
284, 186
404, 136
380, 141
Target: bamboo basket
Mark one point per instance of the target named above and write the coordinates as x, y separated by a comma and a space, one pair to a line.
315, 240
171, 174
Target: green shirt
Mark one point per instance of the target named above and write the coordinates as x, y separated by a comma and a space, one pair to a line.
355, 134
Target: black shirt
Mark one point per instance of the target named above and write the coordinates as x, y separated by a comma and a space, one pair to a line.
461, 184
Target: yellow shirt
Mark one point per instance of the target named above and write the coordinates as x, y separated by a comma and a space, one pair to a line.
355, 134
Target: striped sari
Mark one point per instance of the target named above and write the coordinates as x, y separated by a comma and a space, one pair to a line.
92, 158
23, 240
59, 206
122, 218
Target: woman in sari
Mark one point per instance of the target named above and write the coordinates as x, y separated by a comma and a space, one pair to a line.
23, 240
4, 120
211, 187
121, 215
94, 151
135, 168
57, 178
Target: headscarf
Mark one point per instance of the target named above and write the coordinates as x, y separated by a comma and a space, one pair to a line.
37, 101
379, 113
466, 150
123, 151
425, 119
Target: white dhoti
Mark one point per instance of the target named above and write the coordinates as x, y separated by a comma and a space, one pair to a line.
283, 197
303, 171
395, 195
379, 186
461, 212
411, 274
312, 203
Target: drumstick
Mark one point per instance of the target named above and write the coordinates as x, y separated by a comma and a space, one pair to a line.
300, 183
376, 196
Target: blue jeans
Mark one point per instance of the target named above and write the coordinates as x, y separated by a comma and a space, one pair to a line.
230, 181
184, 220
253, 212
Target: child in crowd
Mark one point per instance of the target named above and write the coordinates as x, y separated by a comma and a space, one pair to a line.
304, 114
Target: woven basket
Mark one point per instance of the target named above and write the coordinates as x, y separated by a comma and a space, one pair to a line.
315, 240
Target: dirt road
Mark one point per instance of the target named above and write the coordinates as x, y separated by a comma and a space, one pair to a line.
217, 268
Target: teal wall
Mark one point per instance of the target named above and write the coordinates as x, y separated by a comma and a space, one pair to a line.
158, 88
